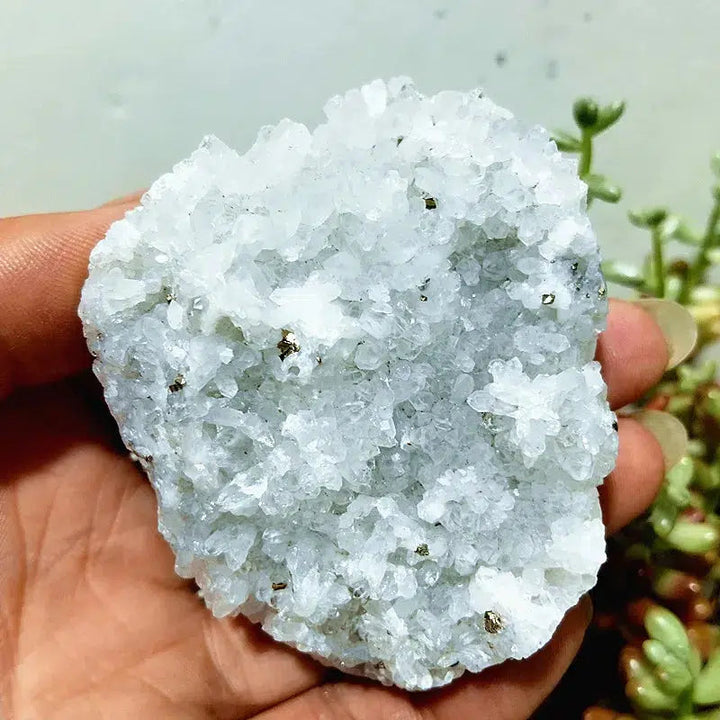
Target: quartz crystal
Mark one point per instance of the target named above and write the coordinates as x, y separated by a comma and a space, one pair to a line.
357, 367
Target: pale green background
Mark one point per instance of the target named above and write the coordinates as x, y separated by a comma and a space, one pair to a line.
98, 98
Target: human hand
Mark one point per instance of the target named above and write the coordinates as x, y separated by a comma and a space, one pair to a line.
94, 623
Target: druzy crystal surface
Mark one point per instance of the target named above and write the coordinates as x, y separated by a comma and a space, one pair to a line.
357, 367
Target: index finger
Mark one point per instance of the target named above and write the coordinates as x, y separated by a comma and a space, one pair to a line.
43, 263
632, 351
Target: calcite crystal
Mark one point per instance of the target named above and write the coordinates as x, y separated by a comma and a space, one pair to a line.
357, 367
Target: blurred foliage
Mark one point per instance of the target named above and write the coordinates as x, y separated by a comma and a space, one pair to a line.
653, 651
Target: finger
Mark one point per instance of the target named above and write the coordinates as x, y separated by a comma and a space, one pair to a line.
131, 199
627, 492
43, 264
89, 577
510, 691
43, 261
513, 690
632, 351
632, 485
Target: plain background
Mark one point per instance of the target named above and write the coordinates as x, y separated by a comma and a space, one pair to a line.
98, 98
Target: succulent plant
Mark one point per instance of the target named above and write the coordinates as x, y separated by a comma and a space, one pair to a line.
658, 593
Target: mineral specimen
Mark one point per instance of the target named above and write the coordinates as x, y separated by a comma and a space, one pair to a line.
357, 367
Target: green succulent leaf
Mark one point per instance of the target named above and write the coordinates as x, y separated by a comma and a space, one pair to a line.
707, 685
586, 112
713, 256
684, 234
609, 115
655, 651
666, 627
674, 677
695, 662
643, 688
677, 488
672, 674
663, 518
673, 286
675, 227
566, 142
669, 225
712, 406
691, 378
648, 696
679, 495
648, 218
707, 477
705, 294
674, 496
638, 551
680, 404
693, 538
665, 512
681, 473
622, 274
696, 448
601, 188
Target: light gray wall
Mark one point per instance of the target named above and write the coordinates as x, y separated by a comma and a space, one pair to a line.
97, 98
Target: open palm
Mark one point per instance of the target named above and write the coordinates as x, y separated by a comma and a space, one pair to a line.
94, 623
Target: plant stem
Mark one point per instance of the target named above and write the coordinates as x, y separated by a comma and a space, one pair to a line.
585, 162
698, 268
586, 153
658, 262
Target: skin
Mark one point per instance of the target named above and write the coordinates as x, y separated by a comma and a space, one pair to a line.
95, 624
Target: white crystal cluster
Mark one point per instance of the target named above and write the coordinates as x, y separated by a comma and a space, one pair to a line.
357, 366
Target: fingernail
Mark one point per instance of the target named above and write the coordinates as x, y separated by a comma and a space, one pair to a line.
676, 324
668, 431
